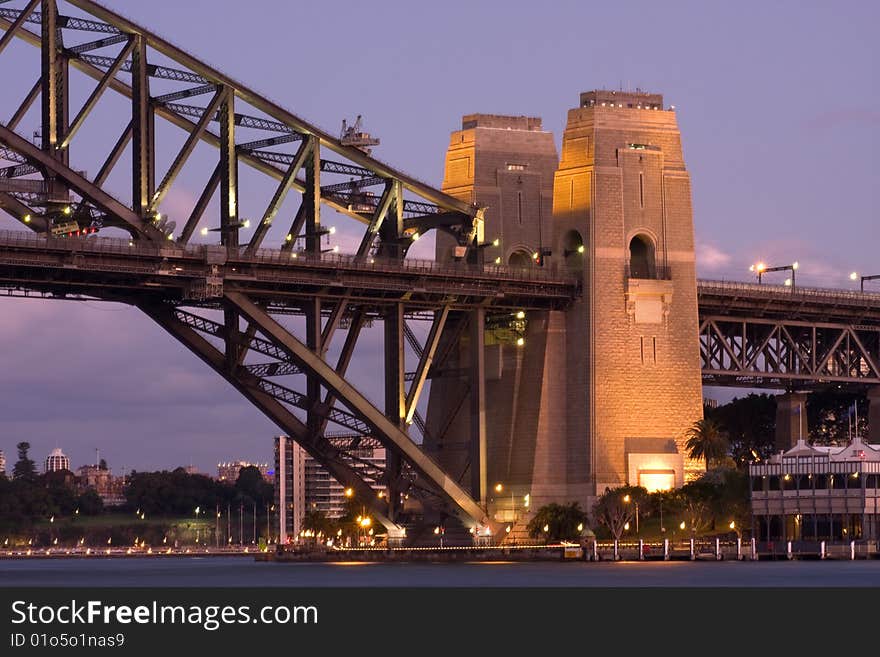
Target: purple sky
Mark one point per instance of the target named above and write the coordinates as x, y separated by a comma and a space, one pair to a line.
778, 104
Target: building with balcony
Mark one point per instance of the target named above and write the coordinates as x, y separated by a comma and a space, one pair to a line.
815, 492
302, 484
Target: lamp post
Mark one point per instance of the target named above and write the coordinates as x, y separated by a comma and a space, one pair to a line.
855, 276
761, 268
269, 523
627, 499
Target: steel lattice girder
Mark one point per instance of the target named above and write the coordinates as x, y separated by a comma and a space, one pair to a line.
83, 187
382, 427
466, 218
317, 446
753, 351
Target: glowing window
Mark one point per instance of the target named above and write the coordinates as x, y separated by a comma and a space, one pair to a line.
654, 480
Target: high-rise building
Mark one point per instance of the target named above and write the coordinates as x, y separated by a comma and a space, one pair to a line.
2, 463
284, 513
57, 461
305, 485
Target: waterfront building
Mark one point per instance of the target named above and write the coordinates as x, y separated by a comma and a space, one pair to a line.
2, 463
813, 492
305, 485
57, 461
229, 471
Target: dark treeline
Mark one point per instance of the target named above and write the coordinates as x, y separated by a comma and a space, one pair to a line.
28, 498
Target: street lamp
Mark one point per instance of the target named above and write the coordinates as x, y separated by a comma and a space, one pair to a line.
761, 268
855, 277
627, 499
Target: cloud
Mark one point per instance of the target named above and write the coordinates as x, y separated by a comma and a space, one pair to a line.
711, 257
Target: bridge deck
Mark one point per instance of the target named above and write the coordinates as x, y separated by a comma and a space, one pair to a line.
736, 299
98, 266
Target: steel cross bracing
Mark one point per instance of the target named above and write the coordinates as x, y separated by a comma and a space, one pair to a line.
129, 73
222, 301
779, 337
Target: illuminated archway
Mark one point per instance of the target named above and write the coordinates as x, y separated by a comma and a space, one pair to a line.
641, 257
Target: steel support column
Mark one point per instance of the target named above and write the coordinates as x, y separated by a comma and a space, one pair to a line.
391, 228
231, 339
395, 398
55, 87
228, 173
313, 342
142, 154
50, 77
312, 197
478, 406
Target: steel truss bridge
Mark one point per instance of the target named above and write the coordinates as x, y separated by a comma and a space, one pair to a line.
765, 336
229, 303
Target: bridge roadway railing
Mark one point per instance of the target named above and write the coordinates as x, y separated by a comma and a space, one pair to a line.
123, 255
787, 294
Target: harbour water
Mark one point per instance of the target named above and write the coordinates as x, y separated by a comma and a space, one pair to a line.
245, 572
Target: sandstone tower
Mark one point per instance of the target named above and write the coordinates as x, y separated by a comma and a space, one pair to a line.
623, 192
601, 394
506, 164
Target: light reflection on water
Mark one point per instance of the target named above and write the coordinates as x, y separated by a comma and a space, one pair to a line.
225, 571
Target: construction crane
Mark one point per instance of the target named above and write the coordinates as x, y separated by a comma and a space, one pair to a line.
353, 135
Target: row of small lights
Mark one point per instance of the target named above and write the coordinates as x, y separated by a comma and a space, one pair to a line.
98, 552
761, 268
289, 237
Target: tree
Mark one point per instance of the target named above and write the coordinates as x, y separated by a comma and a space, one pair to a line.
253, 487
706, 440
617, 506
102, 465
24, 469
563, 522
829, 416
90, 503
174, 493
732, 499
750, 425
696, 502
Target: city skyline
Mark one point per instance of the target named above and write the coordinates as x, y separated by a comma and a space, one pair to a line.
762, 139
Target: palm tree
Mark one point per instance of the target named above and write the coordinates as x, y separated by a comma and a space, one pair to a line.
706, 440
